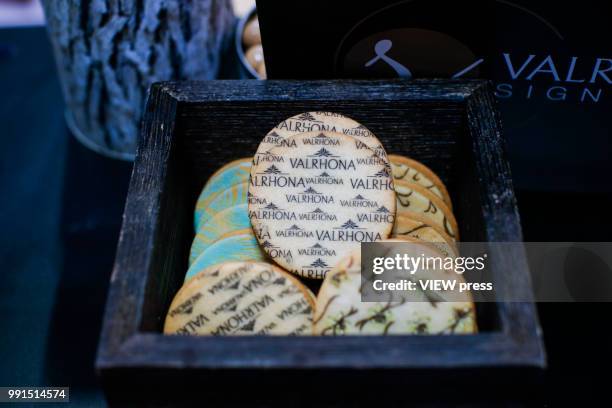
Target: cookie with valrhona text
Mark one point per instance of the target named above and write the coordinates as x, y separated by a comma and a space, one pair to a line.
221, 200
315, 122
416, 226
413, 198
241, 298
316, 198
339, 308
231, 219
235, 172
238, 246
412, 171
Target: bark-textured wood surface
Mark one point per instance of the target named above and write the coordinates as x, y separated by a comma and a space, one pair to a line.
109, 52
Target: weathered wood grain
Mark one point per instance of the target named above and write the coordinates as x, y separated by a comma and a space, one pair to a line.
193, 128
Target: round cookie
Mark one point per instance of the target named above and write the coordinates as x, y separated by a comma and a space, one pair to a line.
412, 171
235, 172
315, 122
340, 311
221, 200
231, 219
317, 198
241, 298
242, 247
420, 229
414, 198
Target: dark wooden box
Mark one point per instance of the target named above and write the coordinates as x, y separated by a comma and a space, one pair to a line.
192, 128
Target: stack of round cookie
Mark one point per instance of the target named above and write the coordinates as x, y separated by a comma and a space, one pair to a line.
318, 185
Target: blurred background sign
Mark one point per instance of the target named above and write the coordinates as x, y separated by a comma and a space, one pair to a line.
551, 65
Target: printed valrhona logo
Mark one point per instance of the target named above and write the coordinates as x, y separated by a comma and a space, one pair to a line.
318, 268
271, 170
323, 121
321, 140
380, 215
272, 212
276, 252
374, 182
317, 250
330, 191
254, 200
379, 152
319, 126
186, 307
277, 140
358, 131
318, 215
307, 122
267, 157
359, 201
324, 159
246, 298
294, 231
349, 231
274, 177
310, 196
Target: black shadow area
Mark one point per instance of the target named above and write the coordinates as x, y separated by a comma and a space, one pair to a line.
93, 200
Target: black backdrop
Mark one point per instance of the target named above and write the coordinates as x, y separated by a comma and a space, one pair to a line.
557, 130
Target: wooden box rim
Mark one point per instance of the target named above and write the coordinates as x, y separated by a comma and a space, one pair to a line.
124, 345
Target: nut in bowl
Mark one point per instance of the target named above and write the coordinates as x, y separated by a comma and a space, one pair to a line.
249, 46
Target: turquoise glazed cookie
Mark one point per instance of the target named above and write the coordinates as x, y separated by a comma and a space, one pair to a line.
235, 195
231, 219
233, 173
243, 247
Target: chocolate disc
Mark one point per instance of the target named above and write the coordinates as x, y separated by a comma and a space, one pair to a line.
241, 298
318, 196
340, 311
320, 121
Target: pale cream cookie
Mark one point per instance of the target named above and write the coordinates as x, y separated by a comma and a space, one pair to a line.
340, 311
320, 121
316, 198
414, 198
412, 171
418, 227
241, 298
